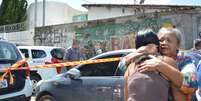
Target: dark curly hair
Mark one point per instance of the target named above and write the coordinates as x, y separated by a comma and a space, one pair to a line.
146, 37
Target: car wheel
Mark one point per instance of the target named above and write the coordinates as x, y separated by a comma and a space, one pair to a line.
34, 79
46, 98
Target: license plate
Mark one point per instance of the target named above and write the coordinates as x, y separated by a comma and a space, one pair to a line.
3, 83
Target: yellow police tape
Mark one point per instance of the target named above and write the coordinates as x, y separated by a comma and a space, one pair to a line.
8, 71
74, 63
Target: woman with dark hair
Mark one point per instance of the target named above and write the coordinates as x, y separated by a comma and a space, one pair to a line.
183, 83
154, 85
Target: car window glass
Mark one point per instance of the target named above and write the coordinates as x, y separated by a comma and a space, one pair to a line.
25, 52
112, 56
7, 51
100, 69
121, 68
38, 54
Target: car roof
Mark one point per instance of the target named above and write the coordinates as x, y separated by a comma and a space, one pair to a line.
5, 41
123, 51
39, 47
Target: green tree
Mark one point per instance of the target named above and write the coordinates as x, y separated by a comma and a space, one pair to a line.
13, 11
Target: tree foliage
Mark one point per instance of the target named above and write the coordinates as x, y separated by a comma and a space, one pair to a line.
13, 11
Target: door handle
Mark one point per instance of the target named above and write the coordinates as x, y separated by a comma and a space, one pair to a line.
103, 89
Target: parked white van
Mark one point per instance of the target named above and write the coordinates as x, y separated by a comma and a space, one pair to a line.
40, 55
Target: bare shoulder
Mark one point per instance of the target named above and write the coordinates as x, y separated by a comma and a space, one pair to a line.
169, 61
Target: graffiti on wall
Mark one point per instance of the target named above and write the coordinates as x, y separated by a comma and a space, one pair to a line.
108, 36
51, 36
122, 42
116, 36
118, 32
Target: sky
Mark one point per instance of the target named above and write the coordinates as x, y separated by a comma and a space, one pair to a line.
77, 3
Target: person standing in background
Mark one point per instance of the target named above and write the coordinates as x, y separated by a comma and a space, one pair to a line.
73, 53
97, 48
197, 45
195, 53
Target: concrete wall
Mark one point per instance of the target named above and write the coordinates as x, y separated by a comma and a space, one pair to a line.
96, 13
55, 13
103, 13
57, 35
21, 38
116, 33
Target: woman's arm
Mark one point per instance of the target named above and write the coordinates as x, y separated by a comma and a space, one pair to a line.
167, 67
171, 71
177, 94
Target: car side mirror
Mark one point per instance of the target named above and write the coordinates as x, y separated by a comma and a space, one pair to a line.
26, 55
73, 73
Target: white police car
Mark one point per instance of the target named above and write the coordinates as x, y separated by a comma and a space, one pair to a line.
21, 89
40, 55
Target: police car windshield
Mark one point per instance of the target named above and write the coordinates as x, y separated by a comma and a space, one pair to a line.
7, 52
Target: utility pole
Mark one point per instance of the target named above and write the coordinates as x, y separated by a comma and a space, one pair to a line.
4, 34
134, 1
44, 12
35, 13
